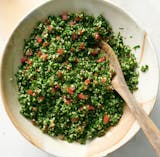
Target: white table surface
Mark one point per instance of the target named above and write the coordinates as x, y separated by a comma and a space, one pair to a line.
146, 12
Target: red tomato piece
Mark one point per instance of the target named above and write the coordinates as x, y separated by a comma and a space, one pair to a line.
76, 60
72, 49
57, 86
41, 98
64, 63
105, 119
94, 53
70, 90
39, 39
30, 92
29, 62
45, 43
53, 89
29, 53
74, 36
87, 82
60, 51
91, 108
71, 23
82, 46
97, 36
35, 109
39, 53
80, 32
50, 28
64, 16
23, 59
103, 80
77, 19
82, 96
58, 37
102, 59
59, 73
75, 119
44, 57
67, 101
69, 68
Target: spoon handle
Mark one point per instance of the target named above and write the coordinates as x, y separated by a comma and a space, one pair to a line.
147, 125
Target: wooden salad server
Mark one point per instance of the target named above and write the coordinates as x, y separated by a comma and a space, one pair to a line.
119, 85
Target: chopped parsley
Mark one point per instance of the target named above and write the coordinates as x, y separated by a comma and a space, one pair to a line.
136, 47
64, 80
144, 68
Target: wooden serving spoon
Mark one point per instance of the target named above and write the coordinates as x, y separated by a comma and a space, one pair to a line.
119, 84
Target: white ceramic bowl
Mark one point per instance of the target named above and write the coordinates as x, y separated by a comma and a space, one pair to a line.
127, 127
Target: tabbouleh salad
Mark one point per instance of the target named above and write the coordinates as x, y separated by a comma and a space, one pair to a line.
64, 80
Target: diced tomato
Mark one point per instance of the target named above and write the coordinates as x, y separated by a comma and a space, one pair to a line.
67, 101
29, 62
90, 107
94, 53
70, 90
109, 88
59, 73
37, 70
103, 80
80, 32
81, 108
52, 124
97, 36
87, 82
35, 93
47, 21
44, 33
76, 60
23, 59
64, 16
30, 92
82, 96
72, 49
71, 23
39, 39
33, 121
57, 86
45, 43
50, 28
29, 53
41, 98
60, 51
64, 63
39, 53
82, 46
106, 119
75, 119
95, 82
28, 67
53, 89
44, 57
102, 59
35, 109
69, 68
74, 36
77, 19
58, 37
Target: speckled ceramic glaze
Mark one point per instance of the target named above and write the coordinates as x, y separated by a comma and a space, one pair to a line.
146, 94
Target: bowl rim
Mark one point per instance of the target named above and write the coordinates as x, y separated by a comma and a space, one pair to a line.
3, 99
